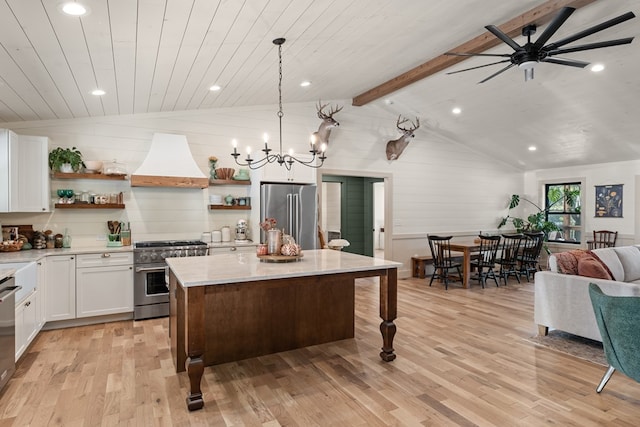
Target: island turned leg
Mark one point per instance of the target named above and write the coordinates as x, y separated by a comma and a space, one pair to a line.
388, 312
194, 340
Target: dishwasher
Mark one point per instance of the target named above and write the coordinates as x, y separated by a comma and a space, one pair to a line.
8, 291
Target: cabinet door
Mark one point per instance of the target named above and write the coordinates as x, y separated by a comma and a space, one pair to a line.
104, 290
26, 323
60, 288
29, 176
273, 172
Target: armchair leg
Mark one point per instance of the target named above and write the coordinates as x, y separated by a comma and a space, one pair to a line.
605, 378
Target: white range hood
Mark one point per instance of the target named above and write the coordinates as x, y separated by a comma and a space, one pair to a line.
169, 163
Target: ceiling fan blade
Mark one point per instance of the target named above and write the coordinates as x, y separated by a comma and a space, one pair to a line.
502, 36
590, 46
551, 29
502, 55
592, 30
495, 74
479, 66
569, 62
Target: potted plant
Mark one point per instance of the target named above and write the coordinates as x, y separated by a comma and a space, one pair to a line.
65, 159
534, 222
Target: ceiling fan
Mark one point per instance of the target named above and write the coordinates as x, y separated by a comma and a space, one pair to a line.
528, 55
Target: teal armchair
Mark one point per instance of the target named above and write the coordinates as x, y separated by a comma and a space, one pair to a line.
619, 323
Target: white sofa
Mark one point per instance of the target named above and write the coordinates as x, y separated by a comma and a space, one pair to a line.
562, 300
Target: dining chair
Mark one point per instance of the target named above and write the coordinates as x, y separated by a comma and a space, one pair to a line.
604, 239
618, 318
530, 254
509, 252
485, 260
442, 260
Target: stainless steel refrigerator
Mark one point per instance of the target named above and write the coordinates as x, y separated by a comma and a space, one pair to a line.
294, 206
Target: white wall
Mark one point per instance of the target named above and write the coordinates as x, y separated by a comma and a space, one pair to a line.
599, 174
438, 185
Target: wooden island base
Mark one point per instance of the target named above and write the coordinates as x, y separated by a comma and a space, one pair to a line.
219, 323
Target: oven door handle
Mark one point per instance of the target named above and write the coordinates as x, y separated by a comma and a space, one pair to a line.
8, 292
156, 269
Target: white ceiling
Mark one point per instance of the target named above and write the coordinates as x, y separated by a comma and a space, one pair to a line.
163, 55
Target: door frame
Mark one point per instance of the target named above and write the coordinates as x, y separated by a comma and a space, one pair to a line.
388, 199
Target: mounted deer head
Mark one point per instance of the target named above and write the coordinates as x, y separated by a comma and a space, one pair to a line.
397, 146
328, 122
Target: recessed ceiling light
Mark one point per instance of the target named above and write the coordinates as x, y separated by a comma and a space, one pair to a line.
456, 110
215, 88
74, 9
597, 68
305, 83
98, 92
532, 148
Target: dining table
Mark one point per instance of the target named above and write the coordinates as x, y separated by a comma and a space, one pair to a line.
468, 246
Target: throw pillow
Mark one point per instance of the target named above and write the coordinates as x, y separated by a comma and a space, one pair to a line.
606, 267
630, 260
589, 266
610, 258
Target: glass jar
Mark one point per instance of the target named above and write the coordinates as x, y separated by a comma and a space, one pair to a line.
274, 241
114, 168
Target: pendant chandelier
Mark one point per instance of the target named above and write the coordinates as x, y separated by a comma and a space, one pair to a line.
287, 160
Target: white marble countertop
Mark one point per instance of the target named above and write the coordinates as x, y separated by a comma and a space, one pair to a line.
6, 272
38, 254
246, 267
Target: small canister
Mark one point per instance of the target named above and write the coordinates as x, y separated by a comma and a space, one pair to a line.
216, 236
226, 233
206, 237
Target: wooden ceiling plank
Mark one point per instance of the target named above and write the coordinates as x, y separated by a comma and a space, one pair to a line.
538, 15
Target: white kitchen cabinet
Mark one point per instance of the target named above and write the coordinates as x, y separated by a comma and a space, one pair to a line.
42, 279
24, 179
26, 322
60, 288
27, 310
104, 284
273, 172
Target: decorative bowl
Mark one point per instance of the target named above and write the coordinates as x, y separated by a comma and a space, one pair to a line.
93, 166
225, 173
11, 245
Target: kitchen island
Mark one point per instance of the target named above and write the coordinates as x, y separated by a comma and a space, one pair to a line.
232, 306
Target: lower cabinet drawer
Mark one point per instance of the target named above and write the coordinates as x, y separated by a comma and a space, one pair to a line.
104, 259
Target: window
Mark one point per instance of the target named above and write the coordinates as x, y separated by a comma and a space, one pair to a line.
563, 203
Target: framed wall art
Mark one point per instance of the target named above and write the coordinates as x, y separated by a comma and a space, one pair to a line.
609, 201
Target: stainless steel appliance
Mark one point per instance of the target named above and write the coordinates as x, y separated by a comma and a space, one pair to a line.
294, 207
8, 291
150, 290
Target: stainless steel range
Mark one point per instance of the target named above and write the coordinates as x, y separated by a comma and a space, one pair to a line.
151, 294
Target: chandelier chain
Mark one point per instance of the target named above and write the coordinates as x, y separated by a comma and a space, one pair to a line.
286, 160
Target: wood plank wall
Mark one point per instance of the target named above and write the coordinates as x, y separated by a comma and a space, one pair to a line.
438, 184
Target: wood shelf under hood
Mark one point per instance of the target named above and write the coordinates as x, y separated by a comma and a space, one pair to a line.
168, 181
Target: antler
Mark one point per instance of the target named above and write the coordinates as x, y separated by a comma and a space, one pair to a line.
413, 127
324, 115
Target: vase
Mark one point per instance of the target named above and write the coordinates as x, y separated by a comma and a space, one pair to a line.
66, 168
212, 170
274, 241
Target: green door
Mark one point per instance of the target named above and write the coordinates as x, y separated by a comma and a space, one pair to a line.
356, 211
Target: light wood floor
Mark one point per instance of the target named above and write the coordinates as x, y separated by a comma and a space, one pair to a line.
462, 360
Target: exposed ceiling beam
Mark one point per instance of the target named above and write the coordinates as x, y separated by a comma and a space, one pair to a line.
539, 15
